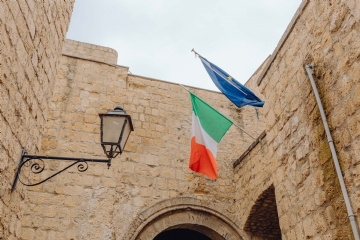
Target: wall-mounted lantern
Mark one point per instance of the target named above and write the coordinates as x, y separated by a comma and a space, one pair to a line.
115, 129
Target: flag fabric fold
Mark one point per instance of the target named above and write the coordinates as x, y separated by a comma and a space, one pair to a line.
232, 89
208, 128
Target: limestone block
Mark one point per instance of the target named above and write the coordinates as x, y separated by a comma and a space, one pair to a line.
27, 233
330, 216
320, 197
309, 227
356, 175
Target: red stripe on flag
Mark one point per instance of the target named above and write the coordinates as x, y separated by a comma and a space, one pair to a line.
202, 160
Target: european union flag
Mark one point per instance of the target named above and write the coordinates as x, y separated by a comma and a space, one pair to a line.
232, 89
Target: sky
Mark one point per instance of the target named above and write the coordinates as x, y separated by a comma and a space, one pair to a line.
155, 37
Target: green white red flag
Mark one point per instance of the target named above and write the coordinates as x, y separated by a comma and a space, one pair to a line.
208, 128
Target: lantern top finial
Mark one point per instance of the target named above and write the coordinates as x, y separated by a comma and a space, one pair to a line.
118, 108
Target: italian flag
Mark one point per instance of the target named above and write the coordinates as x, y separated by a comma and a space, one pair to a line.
208, 128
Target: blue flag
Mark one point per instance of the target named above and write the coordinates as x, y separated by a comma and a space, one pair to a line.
232, 89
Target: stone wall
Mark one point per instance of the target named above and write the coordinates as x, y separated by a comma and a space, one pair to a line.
105, 203
294, 156
31, 37
89, 51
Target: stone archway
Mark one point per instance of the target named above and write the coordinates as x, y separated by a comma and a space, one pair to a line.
263, 221
185, 213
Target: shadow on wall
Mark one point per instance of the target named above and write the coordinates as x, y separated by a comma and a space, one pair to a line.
263, 220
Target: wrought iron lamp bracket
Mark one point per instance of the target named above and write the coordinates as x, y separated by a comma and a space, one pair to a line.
35, 164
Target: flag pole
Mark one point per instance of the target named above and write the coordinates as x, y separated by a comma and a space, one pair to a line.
243, 130
227, 117
196, 53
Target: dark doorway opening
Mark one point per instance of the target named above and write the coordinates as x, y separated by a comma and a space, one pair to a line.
263, 220
181, 234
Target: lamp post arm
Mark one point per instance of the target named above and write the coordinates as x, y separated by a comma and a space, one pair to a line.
36, 164
64, 158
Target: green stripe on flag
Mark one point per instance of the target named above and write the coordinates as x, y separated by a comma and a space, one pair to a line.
213, 122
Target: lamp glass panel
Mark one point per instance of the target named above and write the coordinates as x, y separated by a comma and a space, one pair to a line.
112, 126
108, 147
126, 133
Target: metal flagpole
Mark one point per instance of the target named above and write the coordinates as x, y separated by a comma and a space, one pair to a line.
243, 130
227, 117
196, 52
220, 75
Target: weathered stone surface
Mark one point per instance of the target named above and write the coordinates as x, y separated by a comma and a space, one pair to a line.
31, 38
91, 52
301, 170
154, 166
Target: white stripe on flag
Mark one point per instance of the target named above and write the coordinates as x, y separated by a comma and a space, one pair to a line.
201, 136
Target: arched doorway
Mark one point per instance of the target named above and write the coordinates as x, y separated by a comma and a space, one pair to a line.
181, 234
190, 219
263, 221
191, 231
185, 216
